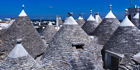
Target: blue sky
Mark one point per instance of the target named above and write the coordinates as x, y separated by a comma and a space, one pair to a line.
48, 9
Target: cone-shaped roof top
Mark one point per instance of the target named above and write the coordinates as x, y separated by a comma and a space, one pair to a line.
91, 18
136, 16
62, 46
124, 37
125, 40
106, 28
23, 28
137, 57
90, 25
18, 51
80, 18
70, 21
126, 22
22, 14
19, 59
110, 14
126, 29
98, 18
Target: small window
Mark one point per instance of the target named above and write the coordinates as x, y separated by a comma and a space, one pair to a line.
78, 46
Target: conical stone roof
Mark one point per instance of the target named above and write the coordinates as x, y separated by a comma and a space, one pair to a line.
19, 59
106, 28
69, 48
90, 25
91, 18
49, 33
80, 20
22, 28
125, 41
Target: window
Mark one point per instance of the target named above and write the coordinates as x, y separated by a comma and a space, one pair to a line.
78, 45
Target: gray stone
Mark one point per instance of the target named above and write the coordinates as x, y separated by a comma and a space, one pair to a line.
125, 41
49, 33
22, 63
106, 29
22, 28
63, 49
81, 22
90, 26
136, 22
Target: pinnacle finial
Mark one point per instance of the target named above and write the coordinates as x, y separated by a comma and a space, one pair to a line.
110, 7
56, 16
126, 12
23, 6
70, 13
90, 11
97, 13
19, 41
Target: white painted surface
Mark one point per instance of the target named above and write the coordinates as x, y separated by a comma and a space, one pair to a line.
70, 21
22, 14
91, 18
18, 51
110, 15
126, 22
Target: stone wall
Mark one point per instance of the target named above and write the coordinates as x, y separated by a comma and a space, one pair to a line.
105, 29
